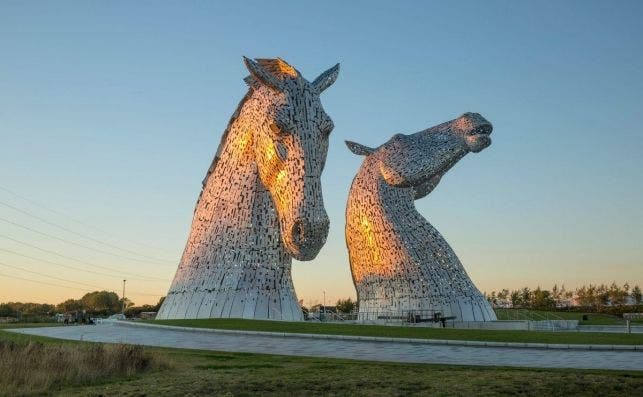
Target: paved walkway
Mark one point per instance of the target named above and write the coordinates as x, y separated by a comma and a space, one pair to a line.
351, 349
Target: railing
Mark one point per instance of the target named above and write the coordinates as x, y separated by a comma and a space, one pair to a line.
381, 317
515, 319
331, 316
525, 314
628, 320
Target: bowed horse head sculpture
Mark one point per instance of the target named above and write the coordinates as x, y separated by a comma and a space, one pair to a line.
261, 203
290, 147
399, 262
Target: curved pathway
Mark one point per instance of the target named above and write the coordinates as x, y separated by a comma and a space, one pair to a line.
350, 349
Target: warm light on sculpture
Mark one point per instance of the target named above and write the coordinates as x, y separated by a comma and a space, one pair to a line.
399, 262
261, 202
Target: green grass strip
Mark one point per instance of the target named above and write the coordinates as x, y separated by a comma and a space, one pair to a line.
596, 338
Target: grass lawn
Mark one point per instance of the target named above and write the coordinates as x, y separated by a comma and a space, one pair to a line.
195, 373
411, 332
592, 318
29, 325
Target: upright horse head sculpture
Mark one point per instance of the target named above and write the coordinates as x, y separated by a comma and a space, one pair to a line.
399, 262
261, 202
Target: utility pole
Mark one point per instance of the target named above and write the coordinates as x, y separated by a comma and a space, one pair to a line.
123, 311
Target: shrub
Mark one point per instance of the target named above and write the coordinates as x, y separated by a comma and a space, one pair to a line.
35, 367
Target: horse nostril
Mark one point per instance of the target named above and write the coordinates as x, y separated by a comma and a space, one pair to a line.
483, 129
298, 231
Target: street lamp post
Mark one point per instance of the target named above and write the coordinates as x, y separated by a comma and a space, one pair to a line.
324, 305
123, 309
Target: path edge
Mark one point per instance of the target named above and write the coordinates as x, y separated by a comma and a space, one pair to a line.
450, 342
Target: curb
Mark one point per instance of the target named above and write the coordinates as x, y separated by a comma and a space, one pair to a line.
451, 342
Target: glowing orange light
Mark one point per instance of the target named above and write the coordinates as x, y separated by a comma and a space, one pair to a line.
242, 143
278, 67
270, 152
369, 238
281, 175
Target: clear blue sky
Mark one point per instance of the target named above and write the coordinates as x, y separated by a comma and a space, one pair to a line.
112, 111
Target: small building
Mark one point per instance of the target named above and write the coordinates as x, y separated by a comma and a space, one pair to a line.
320, 312
147, 315
74, 317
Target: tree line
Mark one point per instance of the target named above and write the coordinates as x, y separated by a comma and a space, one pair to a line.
97, 303
608, 298
613, 298
597, 298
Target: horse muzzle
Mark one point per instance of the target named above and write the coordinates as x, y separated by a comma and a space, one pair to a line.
478, 138
306, 237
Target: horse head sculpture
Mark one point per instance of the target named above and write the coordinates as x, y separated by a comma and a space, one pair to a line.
261, 203
399, 262
419, 160
290, 146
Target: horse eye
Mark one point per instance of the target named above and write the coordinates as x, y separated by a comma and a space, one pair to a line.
275, 129
282, 150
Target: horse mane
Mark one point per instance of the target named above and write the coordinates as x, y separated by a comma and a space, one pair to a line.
224, 138
277, 67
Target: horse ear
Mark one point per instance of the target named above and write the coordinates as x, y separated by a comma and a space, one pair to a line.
261, 75
326, 79
358, 149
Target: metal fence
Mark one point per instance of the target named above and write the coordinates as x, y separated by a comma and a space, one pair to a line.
381, 317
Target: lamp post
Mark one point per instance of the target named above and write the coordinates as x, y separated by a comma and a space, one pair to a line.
324, 305
123, 310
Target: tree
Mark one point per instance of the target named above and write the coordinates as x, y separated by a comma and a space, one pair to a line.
602, 296
160, 302
525, 296
617, 295
345, 305
492, 299
557, 295
503, 296
582, 297
125, 303
133, 311
69, 305
101, 302
587, 296
541, 299
516, 298
8, 310
636, 295
562, 297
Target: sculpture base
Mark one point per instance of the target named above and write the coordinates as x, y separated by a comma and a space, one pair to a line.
421, 309
256, 306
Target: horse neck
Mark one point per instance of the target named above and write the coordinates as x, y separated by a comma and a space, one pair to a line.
372, 219
234, 207
370, 196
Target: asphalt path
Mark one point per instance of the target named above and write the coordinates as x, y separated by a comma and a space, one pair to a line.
350, 349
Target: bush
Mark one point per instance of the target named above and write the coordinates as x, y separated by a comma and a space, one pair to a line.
34, 367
